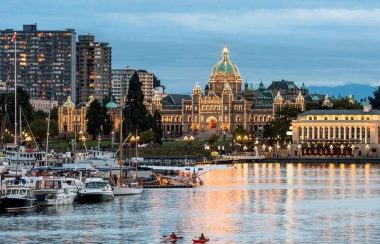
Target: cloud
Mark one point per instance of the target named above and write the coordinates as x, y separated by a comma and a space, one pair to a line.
243, 22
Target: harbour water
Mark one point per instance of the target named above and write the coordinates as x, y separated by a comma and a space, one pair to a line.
254, 203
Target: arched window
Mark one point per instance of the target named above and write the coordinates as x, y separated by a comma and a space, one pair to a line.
203, 107
220, 107
225, 118
237, 118
207, 107
240, 107
202, 118
220, 118
189, 118
195, 119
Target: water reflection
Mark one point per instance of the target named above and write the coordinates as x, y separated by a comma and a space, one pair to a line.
254, 203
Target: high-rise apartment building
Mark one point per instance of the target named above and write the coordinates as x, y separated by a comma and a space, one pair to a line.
45, 61
93, 68
120, 82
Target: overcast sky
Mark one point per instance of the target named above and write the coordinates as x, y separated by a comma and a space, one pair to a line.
321, 42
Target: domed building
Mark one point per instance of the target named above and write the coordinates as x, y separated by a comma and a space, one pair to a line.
223, 106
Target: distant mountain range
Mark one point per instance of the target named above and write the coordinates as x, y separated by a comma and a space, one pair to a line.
358, 91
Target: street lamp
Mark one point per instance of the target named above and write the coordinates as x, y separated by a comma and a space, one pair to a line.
341, 149
352, 149
299, 150
264, 147
331, 149
289, 147
367, 149
191, 139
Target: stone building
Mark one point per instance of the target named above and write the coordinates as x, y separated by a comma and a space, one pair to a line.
72, 118
337, 132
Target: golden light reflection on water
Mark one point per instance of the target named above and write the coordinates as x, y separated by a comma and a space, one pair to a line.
262, 189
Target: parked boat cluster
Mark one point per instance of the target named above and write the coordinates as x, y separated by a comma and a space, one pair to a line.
26, 193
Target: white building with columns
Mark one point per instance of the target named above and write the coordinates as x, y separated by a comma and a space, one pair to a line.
337, 132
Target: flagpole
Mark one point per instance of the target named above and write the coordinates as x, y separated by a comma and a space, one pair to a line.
15, 92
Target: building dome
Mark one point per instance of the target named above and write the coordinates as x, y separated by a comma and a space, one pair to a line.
225, 66
111, 105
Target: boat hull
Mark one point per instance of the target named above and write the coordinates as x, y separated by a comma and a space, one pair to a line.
56, 200
121, 191
18, 204
95, 197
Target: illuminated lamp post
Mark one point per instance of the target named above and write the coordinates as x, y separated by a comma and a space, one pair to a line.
367, 149
299, 150
353, 149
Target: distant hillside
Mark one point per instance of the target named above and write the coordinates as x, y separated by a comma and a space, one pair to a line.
358, 91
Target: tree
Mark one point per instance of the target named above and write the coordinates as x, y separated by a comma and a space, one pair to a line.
345, 103
98, 121
375, 100
136, 114
157, 128
7, 114
281, 123
147, 136
156, 82
94, 119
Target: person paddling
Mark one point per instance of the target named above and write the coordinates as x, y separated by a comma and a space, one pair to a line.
173, 236
202, 237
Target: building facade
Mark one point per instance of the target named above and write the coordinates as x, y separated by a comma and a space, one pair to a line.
223, 106
45, 61
93, 68
72, 118
120, 83
337, 132
43, 105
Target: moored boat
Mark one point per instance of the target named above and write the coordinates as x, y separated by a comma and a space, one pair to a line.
96, 190
18, 199
56, 191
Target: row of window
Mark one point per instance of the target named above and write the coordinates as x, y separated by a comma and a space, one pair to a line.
339, 118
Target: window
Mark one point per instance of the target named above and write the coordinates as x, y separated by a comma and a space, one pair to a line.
325, 118
336, 118
310, 118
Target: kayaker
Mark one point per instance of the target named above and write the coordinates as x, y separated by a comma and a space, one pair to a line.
202, 237
173, 236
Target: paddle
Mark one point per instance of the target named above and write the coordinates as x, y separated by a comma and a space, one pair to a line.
178, 237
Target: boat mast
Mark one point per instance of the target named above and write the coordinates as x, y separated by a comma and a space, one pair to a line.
121, 131
15, 41
20, 121
47, 132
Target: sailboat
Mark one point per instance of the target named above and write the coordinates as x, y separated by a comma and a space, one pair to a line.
121, 188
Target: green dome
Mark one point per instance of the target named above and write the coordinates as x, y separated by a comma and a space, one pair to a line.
225, 66
111, 105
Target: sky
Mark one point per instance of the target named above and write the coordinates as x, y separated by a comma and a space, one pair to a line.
319, 42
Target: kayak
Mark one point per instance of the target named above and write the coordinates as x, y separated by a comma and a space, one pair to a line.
200, 240
168, 238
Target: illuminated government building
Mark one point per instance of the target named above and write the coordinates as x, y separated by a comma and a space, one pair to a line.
223, 105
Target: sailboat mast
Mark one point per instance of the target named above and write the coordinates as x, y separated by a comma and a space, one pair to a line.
20, 121
15, 141
48, 129
121, 129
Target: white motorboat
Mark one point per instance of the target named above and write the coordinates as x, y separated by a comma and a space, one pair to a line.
57, 191
96, 190
129, 189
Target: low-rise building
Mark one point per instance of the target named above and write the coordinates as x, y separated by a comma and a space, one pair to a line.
43, 105
337, 132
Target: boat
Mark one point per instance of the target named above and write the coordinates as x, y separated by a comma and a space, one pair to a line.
57, 191
96, 190
171, 239
201, 240
18, 199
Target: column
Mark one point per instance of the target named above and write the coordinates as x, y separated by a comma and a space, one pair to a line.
318, 128
355, 132
312, 132
302, 132
365, 134
334, 132
307, 132
361, 134
339, 132
328, 132
350, 132
344, 132
323, 132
